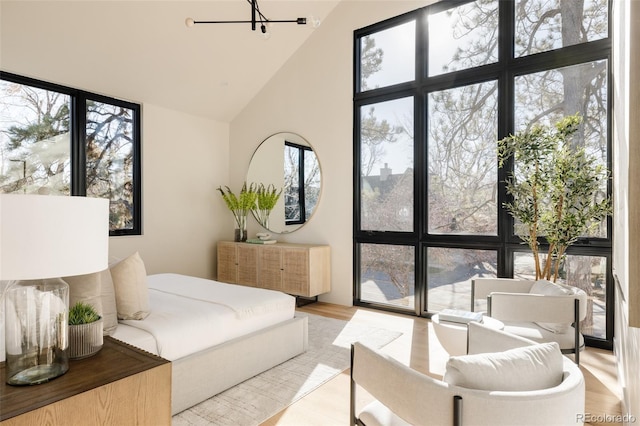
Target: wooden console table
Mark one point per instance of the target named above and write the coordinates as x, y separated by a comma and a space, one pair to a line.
297, 269
120, 385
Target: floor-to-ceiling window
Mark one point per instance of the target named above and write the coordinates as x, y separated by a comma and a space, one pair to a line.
435, 89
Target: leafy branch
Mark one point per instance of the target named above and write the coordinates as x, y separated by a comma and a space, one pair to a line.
240, 205
266, 199
556, 190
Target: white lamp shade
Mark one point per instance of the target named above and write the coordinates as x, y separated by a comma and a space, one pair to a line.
45, 236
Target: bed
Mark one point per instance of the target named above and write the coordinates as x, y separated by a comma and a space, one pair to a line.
215, 334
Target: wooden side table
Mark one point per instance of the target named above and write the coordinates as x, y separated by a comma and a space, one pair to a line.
120, 385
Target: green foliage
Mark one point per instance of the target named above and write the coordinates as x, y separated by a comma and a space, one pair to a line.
82, 313
556, 190
267, 197
371, 59
49, 124
260, 199
240, 205
242, 202
375, 135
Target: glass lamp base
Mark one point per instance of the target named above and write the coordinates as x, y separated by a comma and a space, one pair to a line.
36, 331
38, 374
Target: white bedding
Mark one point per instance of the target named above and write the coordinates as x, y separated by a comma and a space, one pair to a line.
244, 301
190, 314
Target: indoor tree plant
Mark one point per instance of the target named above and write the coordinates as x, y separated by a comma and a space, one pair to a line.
555, 190
240, 205
85, 331
266, 199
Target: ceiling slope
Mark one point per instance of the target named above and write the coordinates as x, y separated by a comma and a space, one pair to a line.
142, 51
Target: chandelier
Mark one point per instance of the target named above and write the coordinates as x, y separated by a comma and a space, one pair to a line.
257, 19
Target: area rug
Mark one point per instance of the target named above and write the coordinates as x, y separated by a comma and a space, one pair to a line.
259, 398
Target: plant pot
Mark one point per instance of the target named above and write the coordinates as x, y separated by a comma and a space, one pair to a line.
85, 339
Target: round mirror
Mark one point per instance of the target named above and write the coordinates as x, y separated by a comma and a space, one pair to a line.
287, 161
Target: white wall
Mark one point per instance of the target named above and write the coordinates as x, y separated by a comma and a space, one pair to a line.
312, 95
184, 159
626, 237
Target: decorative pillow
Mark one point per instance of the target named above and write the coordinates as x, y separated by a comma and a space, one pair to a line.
551, 289
86, 289
109, 310
521, 369
130, 284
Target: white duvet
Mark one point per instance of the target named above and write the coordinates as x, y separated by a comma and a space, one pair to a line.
189, 314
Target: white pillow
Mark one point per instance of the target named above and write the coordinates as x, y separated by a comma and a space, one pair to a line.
521, 369
85, 289
548, 288
109, 309
130, 283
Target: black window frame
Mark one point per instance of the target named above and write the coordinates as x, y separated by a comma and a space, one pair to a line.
77, 129
506, 243
302, 149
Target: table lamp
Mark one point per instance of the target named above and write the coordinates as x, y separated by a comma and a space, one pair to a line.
43, 238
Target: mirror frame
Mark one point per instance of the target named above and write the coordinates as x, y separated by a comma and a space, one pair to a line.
269, 152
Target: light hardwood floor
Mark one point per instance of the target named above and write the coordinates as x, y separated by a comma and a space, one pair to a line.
418, 347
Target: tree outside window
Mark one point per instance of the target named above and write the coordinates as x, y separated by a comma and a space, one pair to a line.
469, 95
41, 150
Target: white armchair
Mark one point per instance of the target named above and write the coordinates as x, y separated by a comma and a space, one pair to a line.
537, 310
404, 396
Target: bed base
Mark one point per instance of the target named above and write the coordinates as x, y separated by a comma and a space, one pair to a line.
198, 377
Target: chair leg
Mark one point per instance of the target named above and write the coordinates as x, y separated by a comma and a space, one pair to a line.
352, 406
457, 410
576, 326
473, 296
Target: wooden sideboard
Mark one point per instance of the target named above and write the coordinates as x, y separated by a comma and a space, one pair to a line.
120, 385
296, 269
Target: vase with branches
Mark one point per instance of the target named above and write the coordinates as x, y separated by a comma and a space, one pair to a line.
240, 205
557, 190
266, 199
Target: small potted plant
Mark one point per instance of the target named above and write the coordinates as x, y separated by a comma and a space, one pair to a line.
85, 331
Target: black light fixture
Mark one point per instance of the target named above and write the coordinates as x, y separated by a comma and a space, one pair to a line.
256, 18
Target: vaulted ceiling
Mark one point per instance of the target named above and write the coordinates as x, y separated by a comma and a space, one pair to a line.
142, 50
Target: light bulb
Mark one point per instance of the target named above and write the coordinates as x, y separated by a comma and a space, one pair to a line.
189, 22
315, 22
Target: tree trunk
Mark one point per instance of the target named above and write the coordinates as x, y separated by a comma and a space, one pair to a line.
574, 86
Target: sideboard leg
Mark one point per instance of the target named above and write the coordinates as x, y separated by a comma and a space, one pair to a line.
301, 300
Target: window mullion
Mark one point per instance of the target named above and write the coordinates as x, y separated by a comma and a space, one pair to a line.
526, 64
78, 146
